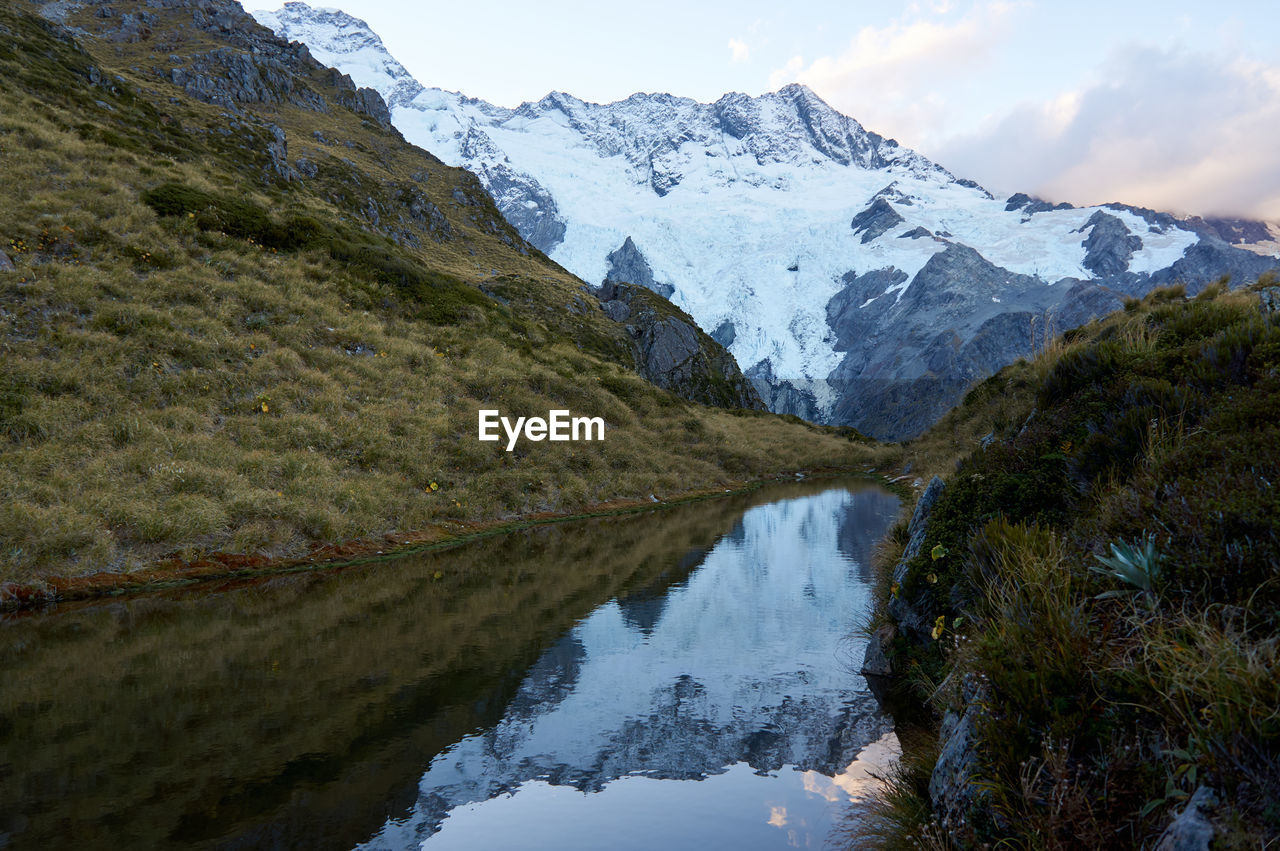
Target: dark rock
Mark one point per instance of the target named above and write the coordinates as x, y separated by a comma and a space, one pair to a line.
877, 218
133, 28
911, 614
6, 265
524, 201
725, 334
1030, 205
661, 178
916, 233
893, 192
952, 791
618, 311
1231, 231
1156, 222
672, 352
305, 167
627, 264
1109, 246
795, 396
910, 355
919, 524
1210, 259
1270, 298
876, 662
973, 184
278, 152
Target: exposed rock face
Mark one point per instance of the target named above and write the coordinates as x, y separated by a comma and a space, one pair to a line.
522, 200
1109, 246
875, 220
952, 790
672, 352
724, 334
1030, 205
628, 265
908, 614
258, 67
876, 662
796, 397
911, 352
1232, 231
6, 265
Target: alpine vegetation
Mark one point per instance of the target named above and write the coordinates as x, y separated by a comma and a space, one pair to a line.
242, 318
1088, 605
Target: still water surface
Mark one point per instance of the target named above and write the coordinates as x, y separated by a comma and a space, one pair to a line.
679, 679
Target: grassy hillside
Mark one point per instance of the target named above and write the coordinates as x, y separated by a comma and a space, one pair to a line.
246, 316
1102, 579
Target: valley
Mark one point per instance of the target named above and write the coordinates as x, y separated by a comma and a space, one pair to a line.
382, 467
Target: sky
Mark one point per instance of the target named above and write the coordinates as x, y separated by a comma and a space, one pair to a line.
1173, 105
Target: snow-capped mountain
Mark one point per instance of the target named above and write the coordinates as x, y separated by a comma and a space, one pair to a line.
855, 281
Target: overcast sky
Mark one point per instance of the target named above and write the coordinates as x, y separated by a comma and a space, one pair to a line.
1173, 105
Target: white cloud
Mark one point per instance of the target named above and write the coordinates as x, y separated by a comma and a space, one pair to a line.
1166, 128
739, 51
890, 77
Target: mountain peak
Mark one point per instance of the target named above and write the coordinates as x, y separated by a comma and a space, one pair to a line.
344, 41
798, 90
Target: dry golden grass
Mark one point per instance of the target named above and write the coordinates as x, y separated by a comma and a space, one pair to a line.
170, 389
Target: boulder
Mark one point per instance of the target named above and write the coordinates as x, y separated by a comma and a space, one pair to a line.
1191, 829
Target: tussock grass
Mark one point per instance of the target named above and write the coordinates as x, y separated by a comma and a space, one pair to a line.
1107, 705
197, 355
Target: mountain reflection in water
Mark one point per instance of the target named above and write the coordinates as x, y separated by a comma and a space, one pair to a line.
669, 679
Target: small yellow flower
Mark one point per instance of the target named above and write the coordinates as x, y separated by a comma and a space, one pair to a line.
893, 590
939, 626
434, 486
264, 407
938, 552
932, 578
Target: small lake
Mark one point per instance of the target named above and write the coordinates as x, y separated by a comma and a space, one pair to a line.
676, 679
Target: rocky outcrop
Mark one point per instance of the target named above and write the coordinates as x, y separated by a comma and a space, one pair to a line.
1191, 829
913, 346
952, 788
6, 265
525, 202
910, 613
874, 221
1109, 246
628, 265
1030, 205
725, 334
797, 397
672, 352
257, 66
